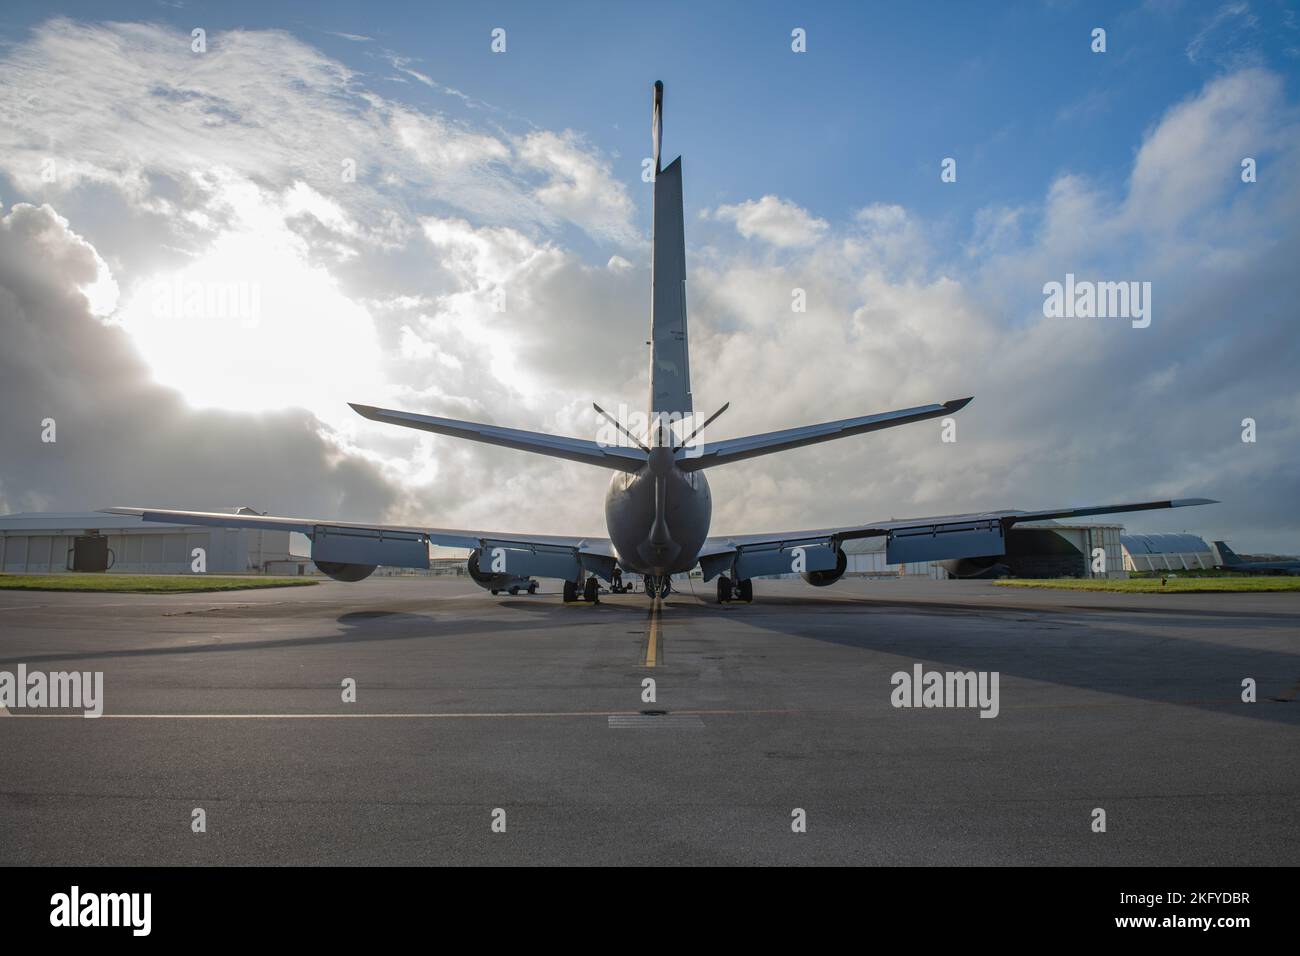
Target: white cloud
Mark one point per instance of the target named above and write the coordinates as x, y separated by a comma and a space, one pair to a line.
127, 104
123, 438
580, 187
774, 220
1191, 159
1224, 32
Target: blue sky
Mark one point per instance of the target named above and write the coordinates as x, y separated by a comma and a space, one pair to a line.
490, 260
885, 91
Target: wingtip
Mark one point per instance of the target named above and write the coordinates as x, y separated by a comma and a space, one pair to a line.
1190, 502
365, 411
957, 404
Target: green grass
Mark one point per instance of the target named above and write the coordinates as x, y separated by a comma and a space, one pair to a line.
142, 583
1191, 573
1178, 585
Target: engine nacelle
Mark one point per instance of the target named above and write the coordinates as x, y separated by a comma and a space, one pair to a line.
345, 572
497, 581
991, 567
820, 579
483, 579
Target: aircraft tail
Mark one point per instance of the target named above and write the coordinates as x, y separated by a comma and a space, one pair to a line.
1227, 556
556, 446
670, 365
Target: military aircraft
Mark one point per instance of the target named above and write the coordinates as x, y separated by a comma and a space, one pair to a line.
658, 507
1231, 561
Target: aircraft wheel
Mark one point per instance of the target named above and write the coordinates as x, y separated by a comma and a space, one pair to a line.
724, 589
532, 588
570, 591
495, 592
514, 591
591, 590
746, 589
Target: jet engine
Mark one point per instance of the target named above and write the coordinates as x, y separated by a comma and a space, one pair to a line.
494, 582
483, 579
989, 567
345, 572
820, 579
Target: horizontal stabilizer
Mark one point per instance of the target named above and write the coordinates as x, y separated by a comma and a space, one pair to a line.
572, 449
738, 449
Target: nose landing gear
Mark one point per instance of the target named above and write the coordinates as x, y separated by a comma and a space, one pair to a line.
658, 586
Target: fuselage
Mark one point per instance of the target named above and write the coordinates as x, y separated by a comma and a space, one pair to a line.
658, 518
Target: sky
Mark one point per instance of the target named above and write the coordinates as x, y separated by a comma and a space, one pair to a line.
208, 248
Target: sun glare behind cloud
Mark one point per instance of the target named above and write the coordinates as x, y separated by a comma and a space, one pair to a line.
251, 325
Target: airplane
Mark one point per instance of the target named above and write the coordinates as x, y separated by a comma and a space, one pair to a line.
1232, 562
658, 507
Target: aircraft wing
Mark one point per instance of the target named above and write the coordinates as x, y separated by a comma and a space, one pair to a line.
934, 538
407, 546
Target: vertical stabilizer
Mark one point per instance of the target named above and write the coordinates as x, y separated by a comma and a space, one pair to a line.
670, 369
1227, 556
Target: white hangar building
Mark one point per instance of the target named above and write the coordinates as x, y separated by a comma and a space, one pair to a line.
1035, 549
1166, 552
47, 542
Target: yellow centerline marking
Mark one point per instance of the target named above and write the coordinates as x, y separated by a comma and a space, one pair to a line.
652, 640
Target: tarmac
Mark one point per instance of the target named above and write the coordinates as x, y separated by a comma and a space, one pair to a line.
519, 730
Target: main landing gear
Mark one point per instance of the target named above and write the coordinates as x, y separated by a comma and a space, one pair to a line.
729, 590
590, 591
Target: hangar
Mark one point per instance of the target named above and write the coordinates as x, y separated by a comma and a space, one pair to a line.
1166, 552
46, 542
51, 542
1035, 549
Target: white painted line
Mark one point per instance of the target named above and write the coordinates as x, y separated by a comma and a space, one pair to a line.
681, 719
661, 722
418, 716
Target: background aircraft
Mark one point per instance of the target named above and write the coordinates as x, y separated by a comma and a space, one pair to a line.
1231, 562
658, 506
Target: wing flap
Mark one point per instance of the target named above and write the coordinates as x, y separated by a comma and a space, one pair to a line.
935, 538
311, 527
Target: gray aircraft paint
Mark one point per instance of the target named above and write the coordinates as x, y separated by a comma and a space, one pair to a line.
658, 517
1229, 561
